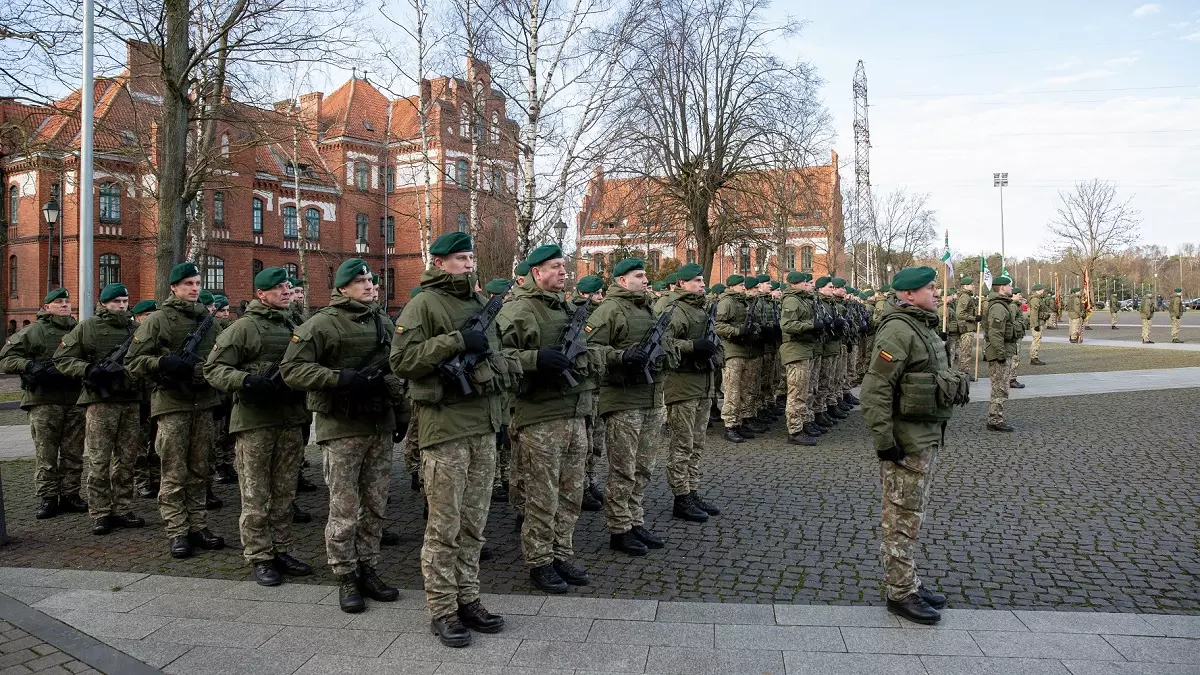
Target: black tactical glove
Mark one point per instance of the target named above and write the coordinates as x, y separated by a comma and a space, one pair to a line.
352, 381
176, 367
893, 454
703, 349
839, 324
635, 358
259, 386
474, 341
552, 361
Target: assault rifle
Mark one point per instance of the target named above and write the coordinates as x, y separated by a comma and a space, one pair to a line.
574, 341
710, 333
750, 328
651, 344
460, 365
110, 368
37, 379
187, 352
823, 321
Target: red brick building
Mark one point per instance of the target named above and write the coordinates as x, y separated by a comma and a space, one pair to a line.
797, 212
359, 161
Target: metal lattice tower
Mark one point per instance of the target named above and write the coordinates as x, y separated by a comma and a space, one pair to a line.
863, 211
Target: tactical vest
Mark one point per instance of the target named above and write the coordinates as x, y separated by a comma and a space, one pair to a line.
639, 322
928, 395
274, 338
45, 336
697, 324
360, 342
103, 335
179, 325
552, 323
492, 374
1018, 331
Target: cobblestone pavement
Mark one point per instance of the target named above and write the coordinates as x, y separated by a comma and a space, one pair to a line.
22, 653
1091, 505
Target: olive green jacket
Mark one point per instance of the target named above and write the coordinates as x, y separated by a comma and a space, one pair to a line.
951, 320
1036, 307
1020, 326
966, 308
1114, 305
535, 319
1075, 306
690, 378
1148, 307
731, 318
621, 322
660, 305
162, 333
37, 342
1001, 326
833, 344
801, 340
1177, 309
251, 346
428, 334
89, 343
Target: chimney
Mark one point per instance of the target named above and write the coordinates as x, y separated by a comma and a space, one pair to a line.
310, 112
142, 60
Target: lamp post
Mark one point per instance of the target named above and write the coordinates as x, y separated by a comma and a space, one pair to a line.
1000, 180
889, 273
50, 212
560, 231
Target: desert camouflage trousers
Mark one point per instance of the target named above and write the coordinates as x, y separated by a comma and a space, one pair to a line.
412, 447
357, 470
458, 487
1112, 318
735, 376
633, 447
687, 422
183, 442
768, 378
595, 429
1175, 328
552, 476
998, 372
1035, 347
829, 390
966, 353
1145, 330
57, 432
801, 391
222, 453
1075, 328
110, 448
147, 465
905, 495
267, 460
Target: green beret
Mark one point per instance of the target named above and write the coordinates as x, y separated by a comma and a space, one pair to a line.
55, 295
543, 253
184, 270
864, 295
451, 242
763, 278
522, 269
1016, 291
822, 282
113, 291
144, 306
734, 280
221, 302
670, 279
414, 292
270, 278
688, 272
775, 285
589, 284
1003, 281
374, 279
1038, 287
838, 282
659, 285
352, 268
717, 289
951, 291
885, 288
912, 278
966, 280
296, 283
628, 265
1178, 290
496, 286
851, 290
795, 277
207, 297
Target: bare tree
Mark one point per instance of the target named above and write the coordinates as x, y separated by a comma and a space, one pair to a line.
1092, 224
903, 228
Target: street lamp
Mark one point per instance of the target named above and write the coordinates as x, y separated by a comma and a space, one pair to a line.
50, 212
1000, 180
360, 245
889, 273
560, 229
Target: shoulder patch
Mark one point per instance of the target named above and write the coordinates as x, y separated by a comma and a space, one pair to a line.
400, 330
295, 338
885, 356
587, 329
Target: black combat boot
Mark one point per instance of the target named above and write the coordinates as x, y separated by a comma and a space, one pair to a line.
801, 438
48, 508
288, 565
835, 412
373, 587
590, 503
545, 578
299, 516
476, 617
915, 609
685, 509
627, 543
414, 482
181, 547
226, 475
389, 537
349, 596
732, 435
745, 432
451, 631
1001, 426
205, 539
486, 552
103, 525
500, 492
211, 501
934, 600
72, 504
704, 506
265, 573
754, 425
1036, 362
570, 573
844, 407
823, 420
851, 399
129, 520
647, 537
303, 484
813, 429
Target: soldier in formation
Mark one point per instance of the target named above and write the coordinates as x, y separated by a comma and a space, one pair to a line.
146, 466
1176, 310
1021, 326
1075, 310
590, 292
1147, 308
803, 331
967, 312
737, 330
1000, 339
1114, 306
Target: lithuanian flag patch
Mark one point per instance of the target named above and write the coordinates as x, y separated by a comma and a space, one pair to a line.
295, 338
886, 356
400, 330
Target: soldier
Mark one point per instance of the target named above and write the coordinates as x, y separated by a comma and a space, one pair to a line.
457, 432
829, 388
951, 326
1114, 306
1075, 312
55, 422
549, 417
1001, 329
799, 353
111, 403
296, 306
1147, 307
265, 424
1020, 325
1039, 316
146, 466
338, 357
908, 423
688, 394
885, 296
867, 297
632, 408
222, 459
1055, 309
298, 316
737, 335
769, 363
412, 448
1177, 310
966, 310
181, 401
221, 310
668, 295
591, 292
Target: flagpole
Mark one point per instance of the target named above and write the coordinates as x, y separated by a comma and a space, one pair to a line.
979, 316
945, 281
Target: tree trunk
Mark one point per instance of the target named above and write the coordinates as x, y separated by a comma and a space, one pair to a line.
529, 144
172, 169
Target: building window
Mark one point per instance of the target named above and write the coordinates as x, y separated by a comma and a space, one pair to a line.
256, 215
219, 209
360, 227
214, 274
464, 121
110, 203
391, 179
292, 270
495, 135
655, 259
361, 175
56, 193
691, 256
110, 269
225, 145
390, 232
789, 258
462, 173
806, 258
289, 223
761, 256
312, 218
391, 284
462, 222
12, 276
743, 265
497, 180
14, 204
256, 266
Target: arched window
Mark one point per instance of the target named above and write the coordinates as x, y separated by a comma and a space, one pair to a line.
462, 171
743, 266
110, 203
789, 258
495, 130
14, 204
256, 215
256, 266
219, 209
462, 222
290, 230
292, 270
464, 121
12, 276
214, 274
806, 258
312, 218
360, 226
110, 269
362, 171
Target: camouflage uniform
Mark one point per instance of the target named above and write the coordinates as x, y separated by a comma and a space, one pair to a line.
1147, 307
801, 342
1075, 311
147, 464
412, 448
113, 428
966, 308
1176, 310
829, 387
737, 376
1037, 305
1114, 306
688, 394
1001, 327
457, 431
55, 422
1014, 346
265, 427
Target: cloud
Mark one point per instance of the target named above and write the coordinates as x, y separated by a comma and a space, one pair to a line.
1066, 65
1095, 74
1180, 24
1194, 37
1121, 61
1146, 10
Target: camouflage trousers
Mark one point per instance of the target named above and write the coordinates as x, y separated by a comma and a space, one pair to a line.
1014, 362
1035, 347
751, 396
222, 453
595, 427
1075, 328
905, 495
864, 355
828, 392
1175, 328
552, 458
966, 352
267, 460
769, 369
458, 487
1145, 330
57, 432
147, 465
851, 378
688, 424
998, 373
110, 447
503, 457
183, 443
799, 393
632, 456
516, 494
357, 470
1112, 318
412, 448
735, 376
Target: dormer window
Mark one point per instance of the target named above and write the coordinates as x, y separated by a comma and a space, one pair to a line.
368, 126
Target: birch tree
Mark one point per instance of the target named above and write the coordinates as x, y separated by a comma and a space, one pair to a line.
1092, 224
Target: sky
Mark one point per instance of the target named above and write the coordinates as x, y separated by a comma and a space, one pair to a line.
1051, 92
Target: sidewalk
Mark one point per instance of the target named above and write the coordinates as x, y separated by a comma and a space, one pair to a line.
1124, 344
198, 626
